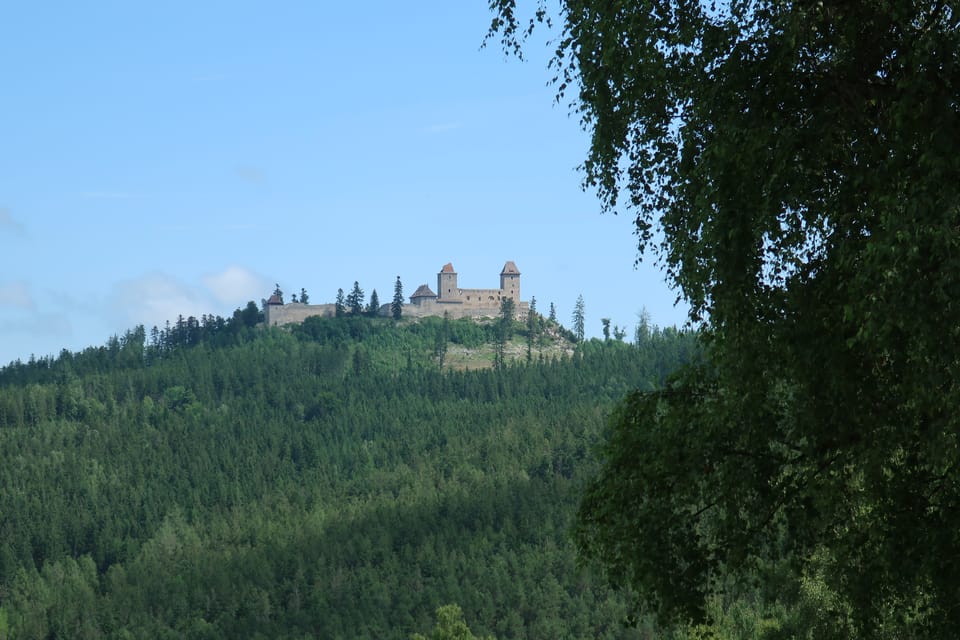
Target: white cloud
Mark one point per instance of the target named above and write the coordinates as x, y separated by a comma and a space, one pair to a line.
16, 294
8, 224
235, 286
153, 299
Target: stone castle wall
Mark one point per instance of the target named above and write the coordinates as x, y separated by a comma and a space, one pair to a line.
280, 314
451, 301
457, 310
293, 312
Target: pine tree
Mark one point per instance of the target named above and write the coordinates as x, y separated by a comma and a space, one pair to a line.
339, 306
553, 313
304, 298
396, 307
533, 325
441, 339
504, 331
578, 318
642, 331
374, 307
355, 299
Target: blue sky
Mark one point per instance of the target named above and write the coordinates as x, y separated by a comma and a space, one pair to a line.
182, 157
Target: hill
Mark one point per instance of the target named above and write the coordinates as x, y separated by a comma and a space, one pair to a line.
222, 480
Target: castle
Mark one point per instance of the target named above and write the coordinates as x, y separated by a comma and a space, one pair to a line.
450, 300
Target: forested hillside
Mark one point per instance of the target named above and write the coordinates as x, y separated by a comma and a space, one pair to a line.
221, 480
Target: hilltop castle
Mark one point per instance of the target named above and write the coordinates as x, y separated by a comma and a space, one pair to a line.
449, 300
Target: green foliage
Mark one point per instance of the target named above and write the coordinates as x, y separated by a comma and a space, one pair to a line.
504, 332
441, 341
798, 162
374, 307
450, 626
579, 319
355, 300
324, 480
535, 327
396, 306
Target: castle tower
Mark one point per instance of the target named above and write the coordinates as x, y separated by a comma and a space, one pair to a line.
510, 281
447, 290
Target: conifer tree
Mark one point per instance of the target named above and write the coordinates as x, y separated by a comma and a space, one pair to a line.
396, 307
355, 299
578, 319
340, 307
532, 326
440, 340
304, 298
374, 307
504, 331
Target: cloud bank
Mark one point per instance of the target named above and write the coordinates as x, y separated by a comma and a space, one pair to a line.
235, 286
155, 298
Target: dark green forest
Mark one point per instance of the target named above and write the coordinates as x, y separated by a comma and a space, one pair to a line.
217, 479
793, 168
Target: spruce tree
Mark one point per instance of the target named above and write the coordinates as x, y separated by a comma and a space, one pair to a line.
578, 318
440, 340
504, 331
532, 330
396, 307
374, 307
355, 299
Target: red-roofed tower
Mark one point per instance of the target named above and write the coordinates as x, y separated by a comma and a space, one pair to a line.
510, 281
447, 290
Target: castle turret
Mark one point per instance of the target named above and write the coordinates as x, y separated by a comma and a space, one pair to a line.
510, 281
422, 293
447, 290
